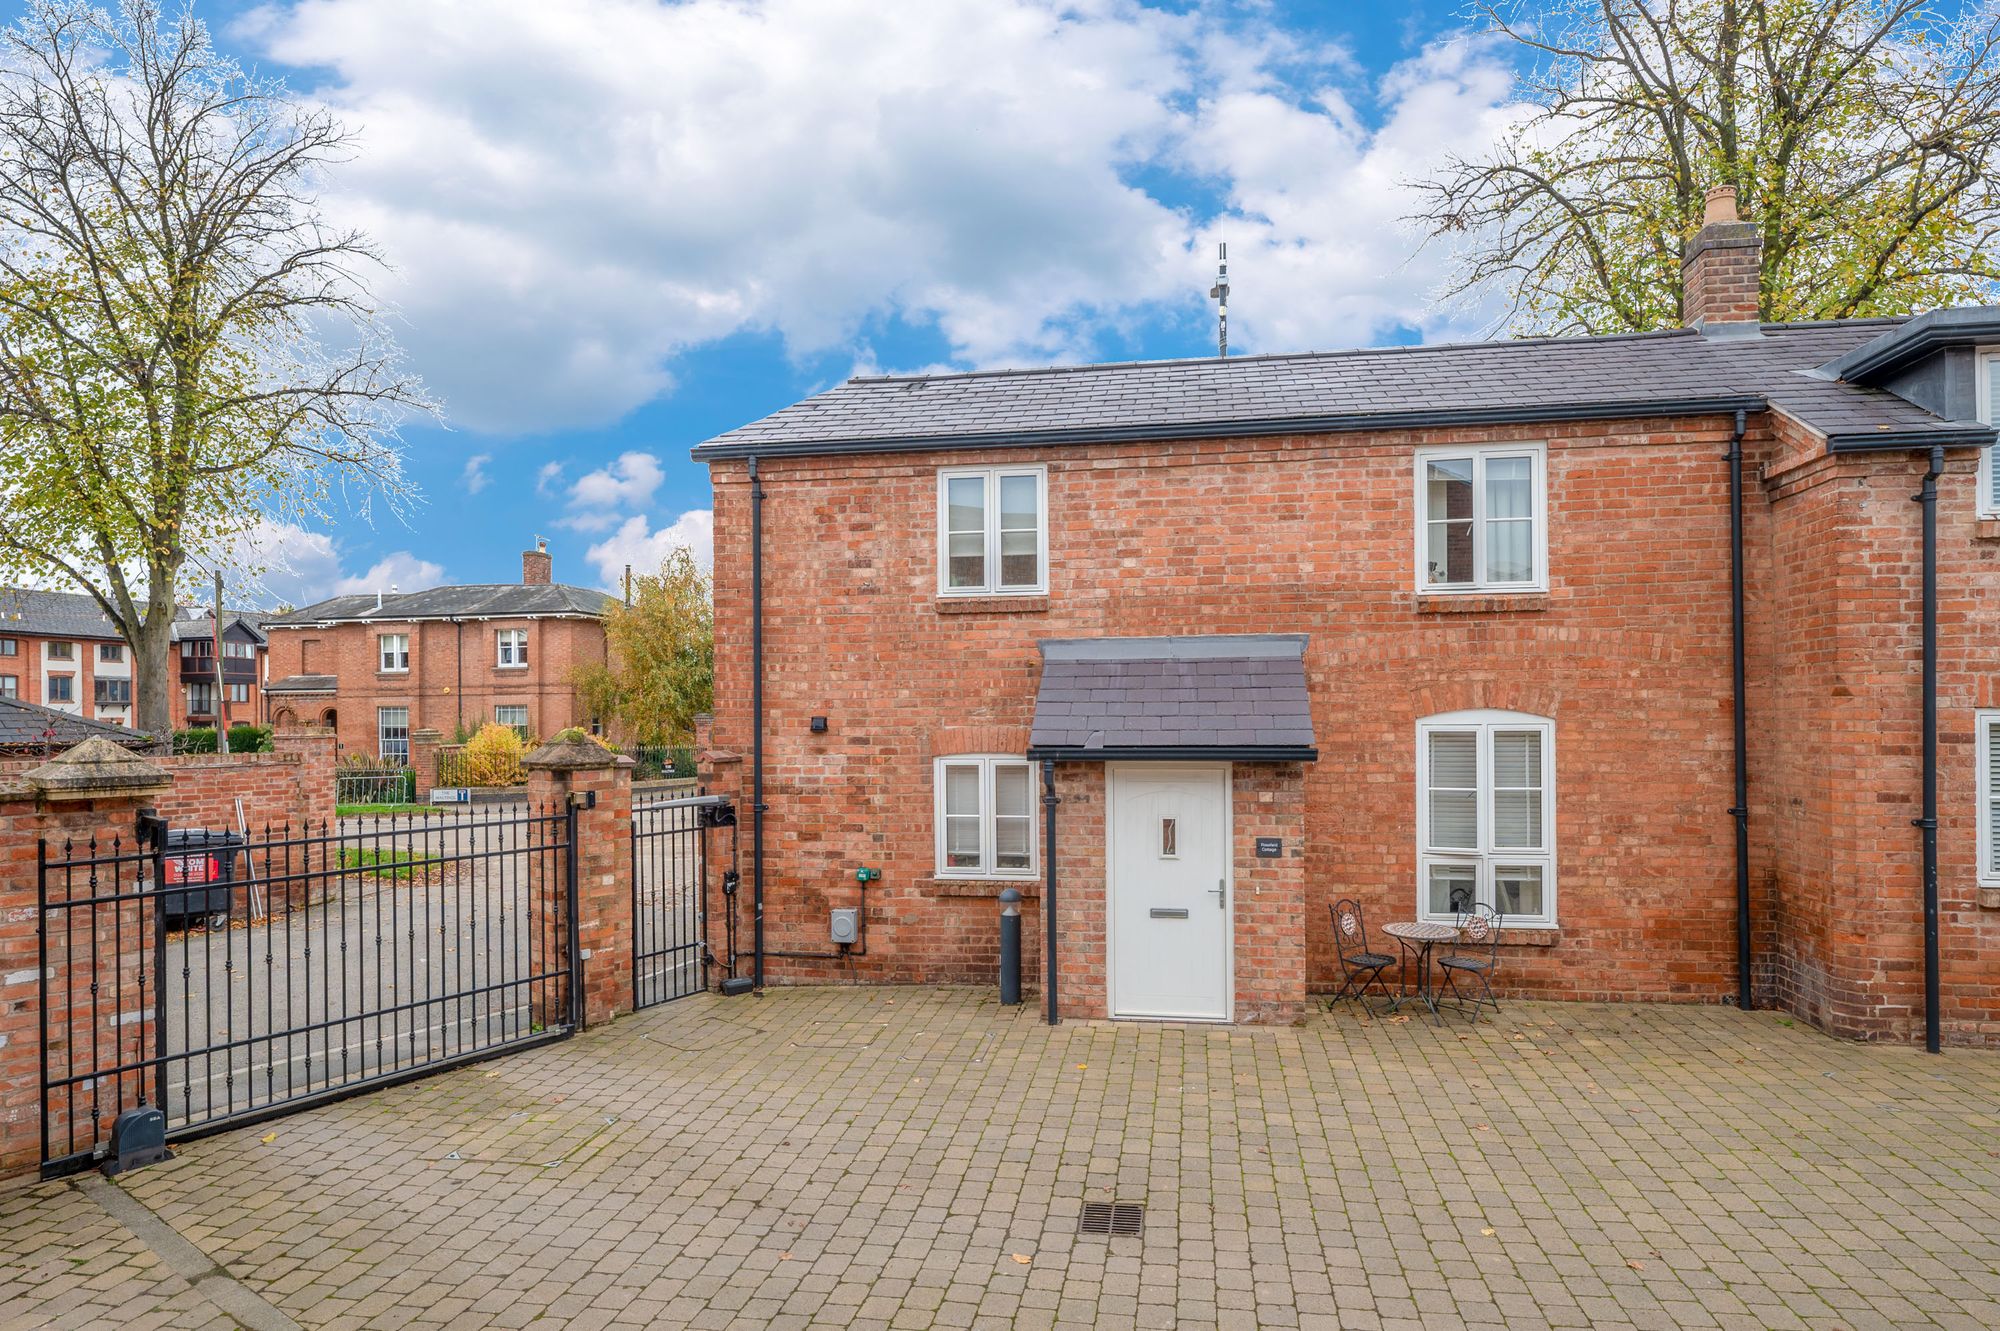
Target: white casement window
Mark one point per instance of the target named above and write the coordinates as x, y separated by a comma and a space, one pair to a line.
985, 817
513, 647
392, 733
1988, 393
1486, 816
1989, 798
10, 686
1481, 519
238, 649
517, 717
993, 531
395, 651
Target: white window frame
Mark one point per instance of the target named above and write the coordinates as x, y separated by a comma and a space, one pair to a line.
1480, 455
522, 728
1986, 366
382, 729
986, 763
993, 477
383, 654
1487, 857
1987, 722
506, 646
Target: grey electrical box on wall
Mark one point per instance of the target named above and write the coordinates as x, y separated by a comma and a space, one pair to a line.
846, 925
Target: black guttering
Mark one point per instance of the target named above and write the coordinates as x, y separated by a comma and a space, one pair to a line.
1049, 803
1237, 753
1966, 434
757, 805
1928, 823
1343, 423
1740, 810
1927, 333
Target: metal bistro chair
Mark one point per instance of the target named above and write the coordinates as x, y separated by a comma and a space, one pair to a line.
1476, 956
1361, 966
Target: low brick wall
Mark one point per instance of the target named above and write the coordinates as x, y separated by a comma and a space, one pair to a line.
292, 785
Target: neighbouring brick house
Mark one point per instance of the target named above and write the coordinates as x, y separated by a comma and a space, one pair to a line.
1415, 625
61, 650
377, 667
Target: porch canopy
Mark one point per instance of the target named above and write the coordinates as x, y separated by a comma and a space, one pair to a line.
1215, 698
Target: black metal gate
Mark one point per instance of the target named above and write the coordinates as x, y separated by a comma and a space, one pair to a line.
670, 863
225, 978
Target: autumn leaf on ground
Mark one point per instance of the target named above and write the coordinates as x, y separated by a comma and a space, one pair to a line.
1636, 1266
1023, 1258
268, 1138
1487, 1232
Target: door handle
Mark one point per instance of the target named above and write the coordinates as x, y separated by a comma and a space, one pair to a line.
1221, 890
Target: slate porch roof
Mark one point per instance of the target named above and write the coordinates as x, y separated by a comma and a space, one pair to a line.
1677, 372
301, 684
23, 726
1225, 696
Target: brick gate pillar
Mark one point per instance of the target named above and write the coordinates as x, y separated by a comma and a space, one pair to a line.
569, 770
94, 791
424, 743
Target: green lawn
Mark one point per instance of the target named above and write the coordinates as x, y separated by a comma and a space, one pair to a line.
381, 863
365, 810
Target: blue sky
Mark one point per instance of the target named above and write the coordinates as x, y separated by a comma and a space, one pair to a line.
620, 227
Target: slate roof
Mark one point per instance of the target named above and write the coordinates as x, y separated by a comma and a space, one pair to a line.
1222, 696
23, 725
302, 684
1681, 371
75, 615
510, 600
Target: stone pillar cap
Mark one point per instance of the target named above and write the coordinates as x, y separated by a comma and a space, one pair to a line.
571, 753
97, 769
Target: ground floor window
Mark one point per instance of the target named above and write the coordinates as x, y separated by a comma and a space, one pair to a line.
985, 817
517, 717
392, 731
1486, 815
201, 699
1989, 798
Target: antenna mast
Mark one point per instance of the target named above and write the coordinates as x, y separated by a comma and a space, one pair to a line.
1220, 294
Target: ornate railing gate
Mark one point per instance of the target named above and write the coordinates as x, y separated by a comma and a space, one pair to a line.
670, 864
228, 978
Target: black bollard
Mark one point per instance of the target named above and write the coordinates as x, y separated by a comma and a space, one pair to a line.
1010, 947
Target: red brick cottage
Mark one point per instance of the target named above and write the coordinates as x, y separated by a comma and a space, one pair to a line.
1416, 625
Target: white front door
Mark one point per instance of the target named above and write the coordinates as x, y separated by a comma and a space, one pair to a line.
1169, 892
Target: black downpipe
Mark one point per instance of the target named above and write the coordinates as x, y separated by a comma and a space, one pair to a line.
1740, 810
757, 805
1927, 497
1049, 802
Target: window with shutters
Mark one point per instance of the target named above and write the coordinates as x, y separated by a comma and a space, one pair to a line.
1480, 519
1989, 798
1988, 391
985, 817
1486, 816
993, 537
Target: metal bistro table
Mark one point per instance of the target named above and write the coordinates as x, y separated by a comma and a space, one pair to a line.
1417, 938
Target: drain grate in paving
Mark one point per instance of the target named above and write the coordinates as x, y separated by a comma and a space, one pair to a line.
1112, 1218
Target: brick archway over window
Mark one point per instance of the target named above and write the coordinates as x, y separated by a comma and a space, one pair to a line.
284, 717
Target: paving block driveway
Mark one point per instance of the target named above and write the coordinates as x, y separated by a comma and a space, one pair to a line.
920, 1157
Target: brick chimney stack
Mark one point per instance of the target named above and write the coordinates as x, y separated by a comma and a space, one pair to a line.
1719, 276
537, 569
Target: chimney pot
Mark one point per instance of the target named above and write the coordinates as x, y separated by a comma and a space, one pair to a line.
1721, 270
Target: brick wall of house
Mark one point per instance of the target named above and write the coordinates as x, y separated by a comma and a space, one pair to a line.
30, 670
454, 677
1629, 652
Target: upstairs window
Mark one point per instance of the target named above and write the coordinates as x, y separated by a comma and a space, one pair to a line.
1480, 519
113, 692
201, 699
62, 688
111, 651
1988, 778
395, 651
993, 531
985, 818
513, 647
1486, 816
10, 686
10, 646
62, 651
1988, 393
239, 650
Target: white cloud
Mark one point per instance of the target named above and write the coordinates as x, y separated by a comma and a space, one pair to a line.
299, 567
474, 477
546, 477
629, 482
638, 544
574, 191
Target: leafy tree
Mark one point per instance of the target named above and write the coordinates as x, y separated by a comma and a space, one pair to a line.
661, 673
1862, 137
186, 343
